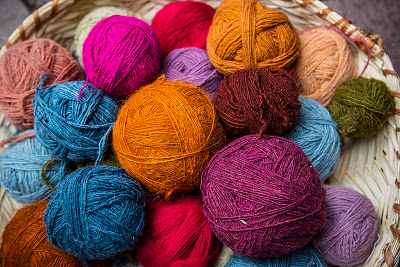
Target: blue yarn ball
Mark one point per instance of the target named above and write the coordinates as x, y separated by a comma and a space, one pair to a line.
21, 167
306, 256
74, 129
317, 134
96, 213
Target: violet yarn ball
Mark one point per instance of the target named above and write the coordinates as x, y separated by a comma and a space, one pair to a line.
351, 229
121, 54
192, 65
262, 197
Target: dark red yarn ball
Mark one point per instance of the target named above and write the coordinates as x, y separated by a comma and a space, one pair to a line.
261, 101
183, 24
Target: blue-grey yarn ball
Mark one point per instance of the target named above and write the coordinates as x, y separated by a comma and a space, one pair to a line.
96, 213
304, 257
21, 167
317, 134
76, 130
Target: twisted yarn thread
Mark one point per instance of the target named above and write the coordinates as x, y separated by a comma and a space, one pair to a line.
89, 21
21, 167
351, 229
306, 256
361, 107
263, 101
20, 69
262, 197
25, 241
165, 134
96, 213
192, 65
325, 61
246, 34
183, 24
317, 134
121, 54
177, 234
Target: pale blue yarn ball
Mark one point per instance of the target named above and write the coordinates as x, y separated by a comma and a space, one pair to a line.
304, 257
20, 171
317, 134
76, 130
96, 213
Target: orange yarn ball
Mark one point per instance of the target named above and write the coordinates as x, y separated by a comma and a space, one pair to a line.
25, 241
246, 34
165, 134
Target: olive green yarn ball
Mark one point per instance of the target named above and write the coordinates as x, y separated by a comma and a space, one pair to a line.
361, 107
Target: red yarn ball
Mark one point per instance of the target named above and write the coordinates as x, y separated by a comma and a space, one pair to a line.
261, 101
177, 234
183, 24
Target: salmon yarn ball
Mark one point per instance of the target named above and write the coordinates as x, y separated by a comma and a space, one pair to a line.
165, 134
25, 241
247, 34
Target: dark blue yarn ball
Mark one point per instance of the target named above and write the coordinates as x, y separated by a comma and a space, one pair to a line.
96, 213
73, 129
304, 257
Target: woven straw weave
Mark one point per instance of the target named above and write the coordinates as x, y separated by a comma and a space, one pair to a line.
369, 165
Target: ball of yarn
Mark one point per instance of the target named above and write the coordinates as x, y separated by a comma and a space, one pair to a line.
263, 101
306, 256
20, 69
89, 21
165, 134
262, 197
121, 54
177, 234
21, 167
96, 213
74, 129
317, 134
351, 229
324, 63
246, 34
361, 107
183, 24
25, 241
192, 65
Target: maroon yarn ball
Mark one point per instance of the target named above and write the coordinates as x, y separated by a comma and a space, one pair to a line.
262, 197
261, 101
183, 24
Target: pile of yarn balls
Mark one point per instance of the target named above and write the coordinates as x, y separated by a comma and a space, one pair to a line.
216, 141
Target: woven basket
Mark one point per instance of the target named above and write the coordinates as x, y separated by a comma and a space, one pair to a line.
368, 165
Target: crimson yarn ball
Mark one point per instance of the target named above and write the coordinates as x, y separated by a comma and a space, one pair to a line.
177, 234
121, 54
183, 24
262, 197
261, 101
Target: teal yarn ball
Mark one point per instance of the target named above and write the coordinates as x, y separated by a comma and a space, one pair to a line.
96, 213
21, 167
304, 257
317, 134
74, 129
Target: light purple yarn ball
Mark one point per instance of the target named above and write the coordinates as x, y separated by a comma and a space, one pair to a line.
192, 65
351, 228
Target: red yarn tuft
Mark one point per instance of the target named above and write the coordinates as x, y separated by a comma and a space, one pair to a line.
177, 234
183, 24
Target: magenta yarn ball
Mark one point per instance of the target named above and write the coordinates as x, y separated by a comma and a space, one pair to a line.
351, 230
121, 54
262, 197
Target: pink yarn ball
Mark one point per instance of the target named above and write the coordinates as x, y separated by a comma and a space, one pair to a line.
121, 54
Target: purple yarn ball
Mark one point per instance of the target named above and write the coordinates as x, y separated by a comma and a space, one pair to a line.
121, 54
192, 65
262, 197
351, 228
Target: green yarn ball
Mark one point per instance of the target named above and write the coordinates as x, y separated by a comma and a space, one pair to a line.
361, 106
